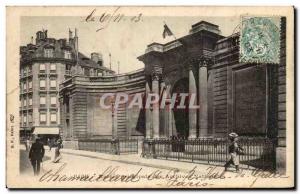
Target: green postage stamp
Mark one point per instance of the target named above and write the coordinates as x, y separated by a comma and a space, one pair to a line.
260, 40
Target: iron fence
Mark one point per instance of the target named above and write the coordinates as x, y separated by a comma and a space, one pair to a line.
112, 146
101, 145
128, 146
258, 152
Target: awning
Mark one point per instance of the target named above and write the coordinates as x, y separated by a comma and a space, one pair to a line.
46, 131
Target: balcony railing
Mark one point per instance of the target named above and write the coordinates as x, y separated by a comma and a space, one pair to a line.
258, 152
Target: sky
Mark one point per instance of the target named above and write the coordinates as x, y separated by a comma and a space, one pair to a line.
125, 40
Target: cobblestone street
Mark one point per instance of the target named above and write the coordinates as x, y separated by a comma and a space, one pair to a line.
113, 170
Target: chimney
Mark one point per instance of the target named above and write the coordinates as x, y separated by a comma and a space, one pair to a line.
76, 43
70, 34
41, 35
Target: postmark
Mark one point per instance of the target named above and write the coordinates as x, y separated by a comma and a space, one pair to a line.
260, 40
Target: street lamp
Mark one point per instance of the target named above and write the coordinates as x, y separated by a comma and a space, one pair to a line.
151, 122
113, 115
168, 111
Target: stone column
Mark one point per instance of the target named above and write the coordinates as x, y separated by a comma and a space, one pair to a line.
148, 114
192, 111
162, 111
167, 112
203, 114
155, 112
71, 116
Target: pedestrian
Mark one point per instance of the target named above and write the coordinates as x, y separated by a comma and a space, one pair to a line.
234, 150
55, 151
36, 155
27, 143
59, 143
49, 144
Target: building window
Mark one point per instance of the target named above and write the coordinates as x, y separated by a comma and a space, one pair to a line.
43, 118
99, 73
48, 53
42, 101
42, 84
53, 84
30, 85
52, 68
67, 55
30, 118
42, 68
53, 118
24, 71
29, 70
30, 101
68, 70
53, 101
20, 119
24, 86
25, 102
91, 72
25, 119
86, 71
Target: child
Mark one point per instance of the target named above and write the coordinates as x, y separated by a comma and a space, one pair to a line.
234, 150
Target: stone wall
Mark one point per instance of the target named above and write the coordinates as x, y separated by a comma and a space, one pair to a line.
88, 120
281, 117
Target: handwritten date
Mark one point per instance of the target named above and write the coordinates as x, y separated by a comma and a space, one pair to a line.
106, 18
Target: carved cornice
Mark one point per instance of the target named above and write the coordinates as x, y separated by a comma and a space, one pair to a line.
205, 61
201, 61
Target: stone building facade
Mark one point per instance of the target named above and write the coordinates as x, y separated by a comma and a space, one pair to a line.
82, 116
43, 66
232, 96
248, 99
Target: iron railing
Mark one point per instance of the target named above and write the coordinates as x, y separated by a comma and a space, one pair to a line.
111, 146
258, 152
128, 146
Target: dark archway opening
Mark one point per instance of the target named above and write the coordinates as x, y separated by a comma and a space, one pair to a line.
181, 115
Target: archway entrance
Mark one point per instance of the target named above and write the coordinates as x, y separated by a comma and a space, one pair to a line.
181, 115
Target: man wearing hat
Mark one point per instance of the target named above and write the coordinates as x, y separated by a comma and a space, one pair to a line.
36, 155
234, 150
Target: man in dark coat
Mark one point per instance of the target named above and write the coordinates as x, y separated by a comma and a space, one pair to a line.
36, 155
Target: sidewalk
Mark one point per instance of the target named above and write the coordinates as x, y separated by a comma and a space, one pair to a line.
136, 159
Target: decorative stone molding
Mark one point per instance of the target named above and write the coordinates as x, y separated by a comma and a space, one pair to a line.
156, 77
204, 61
201, 61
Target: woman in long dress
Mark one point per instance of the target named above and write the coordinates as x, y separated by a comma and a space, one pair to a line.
55, 151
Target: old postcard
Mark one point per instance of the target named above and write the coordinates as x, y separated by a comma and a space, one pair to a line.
150, 97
